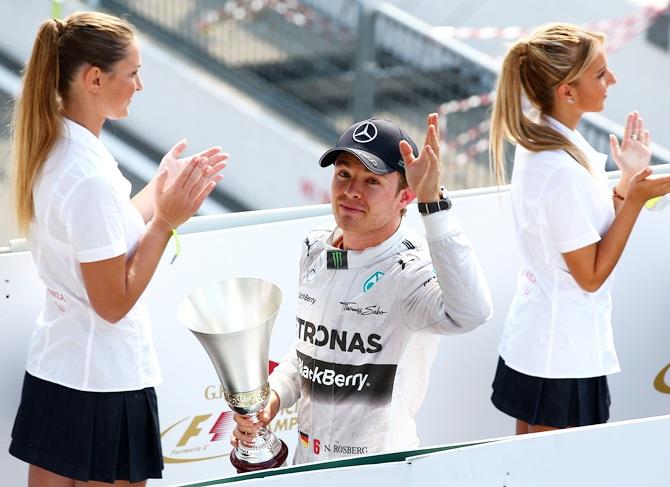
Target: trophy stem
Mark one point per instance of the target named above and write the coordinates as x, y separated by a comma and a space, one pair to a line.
265, 451
253, 417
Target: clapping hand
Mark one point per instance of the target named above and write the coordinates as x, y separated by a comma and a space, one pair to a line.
634, 153
644, 186
173, 163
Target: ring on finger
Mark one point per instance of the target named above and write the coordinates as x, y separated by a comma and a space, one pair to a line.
635, 136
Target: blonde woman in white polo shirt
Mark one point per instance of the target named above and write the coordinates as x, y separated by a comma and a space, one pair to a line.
88, 408
557, 346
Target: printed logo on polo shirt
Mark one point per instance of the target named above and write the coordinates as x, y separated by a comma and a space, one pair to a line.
57, 299
530, 276
372, 280
366, 383
661, 382
529, 284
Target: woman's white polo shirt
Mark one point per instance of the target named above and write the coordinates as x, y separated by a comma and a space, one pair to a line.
83, 213
554, 328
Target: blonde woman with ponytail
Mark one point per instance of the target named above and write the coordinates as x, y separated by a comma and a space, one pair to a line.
88, 411
557, 346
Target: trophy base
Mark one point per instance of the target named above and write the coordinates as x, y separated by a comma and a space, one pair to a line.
245, 467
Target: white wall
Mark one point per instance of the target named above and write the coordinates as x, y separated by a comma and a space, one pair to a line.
613, 455
457, 407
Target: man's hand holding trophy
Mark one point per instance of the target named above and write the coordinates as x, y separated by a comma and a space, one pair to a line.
233, 321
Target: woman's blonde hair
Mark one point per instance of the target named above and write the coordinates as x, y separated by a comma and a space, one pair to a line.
60, 49
555, 54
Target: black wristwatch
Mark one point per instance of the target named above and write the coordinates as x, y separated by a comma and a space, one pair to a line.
444, 203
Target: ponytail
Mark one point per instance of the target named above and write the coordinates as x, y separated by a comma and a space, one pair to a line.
60, 49
37, 119
533, 68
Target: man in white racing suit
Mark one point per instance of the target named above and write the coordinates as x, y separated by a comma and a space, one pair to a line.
371, 299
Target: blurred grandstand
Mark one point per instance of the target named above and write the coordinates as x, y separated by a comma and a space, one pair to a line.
319, 65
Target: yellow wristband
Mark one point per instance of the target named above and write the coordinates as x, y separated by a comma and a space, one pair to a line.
177, 245
174, 234
652, 202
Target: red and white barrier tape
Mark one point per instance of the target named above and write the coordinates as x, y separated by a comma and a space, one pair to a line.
471, 135
291, 10
620, 32
479, 147
468, 145
611, 27
466, 104
313, 192
460, 155
623, 33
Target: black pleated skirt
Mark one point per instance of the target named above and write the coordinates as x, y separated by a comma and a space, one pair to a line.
96, 436
557, 403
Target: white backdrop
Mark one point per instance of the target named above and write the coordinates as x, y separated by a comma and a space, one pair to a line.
457, 407
618, 454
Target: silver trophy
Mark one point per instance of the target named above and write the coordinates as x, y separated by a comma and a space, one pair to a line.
233, 320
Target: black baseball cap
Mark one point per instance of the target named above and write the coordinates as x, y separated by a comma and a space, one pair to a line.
374, 142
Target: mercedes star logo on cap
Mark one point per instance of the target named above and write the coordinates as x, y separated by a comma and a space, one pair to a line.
365, 132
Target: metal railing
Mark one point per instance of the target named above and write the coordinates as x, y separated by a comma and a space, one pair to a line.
254, 49
327, 63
